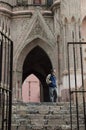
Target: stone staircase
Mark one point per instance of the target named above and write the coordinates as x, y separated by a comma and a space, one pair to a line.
44, 116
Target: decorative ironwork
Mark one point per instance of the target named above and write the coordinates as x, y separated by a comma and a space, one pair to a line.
6, 63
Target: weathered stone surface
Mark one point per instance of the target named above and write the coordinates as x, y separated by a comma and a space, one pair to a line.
52, 118
32, 26
49, 29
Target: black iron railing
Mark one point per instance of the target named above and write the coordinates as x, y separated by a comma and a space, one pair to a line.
75, 54
6, 63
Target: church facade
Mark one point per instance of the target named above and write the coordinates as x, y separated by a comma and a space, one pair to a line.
40, 31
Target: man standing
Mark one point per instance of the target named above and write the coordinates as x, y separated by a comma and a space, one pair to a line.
52, 83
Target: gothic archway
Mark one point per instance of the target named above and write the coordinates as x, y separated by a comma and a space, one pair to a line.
38, 63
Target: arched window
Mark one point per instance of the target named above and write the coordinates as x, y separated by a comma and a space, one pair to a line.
37, 2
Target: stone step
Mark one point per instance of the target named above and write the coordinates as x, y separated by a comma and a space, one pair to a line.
56, 127
44, 116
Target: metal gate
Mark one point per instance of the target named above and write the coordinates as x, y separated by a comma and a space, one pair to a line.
6, 63
77, 89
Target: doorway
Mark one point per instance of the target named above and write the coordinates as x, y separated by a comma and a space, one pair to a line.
38, 63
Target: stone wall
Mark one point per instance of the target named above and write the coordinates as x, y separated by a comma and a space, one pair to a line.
41, 116
52, 26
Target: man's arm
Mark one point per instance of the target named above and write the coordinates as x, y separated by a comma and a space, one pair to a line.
48, 81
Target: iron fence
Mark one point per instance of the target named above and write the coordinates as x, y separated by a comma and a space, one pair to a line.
76, 68
6, 63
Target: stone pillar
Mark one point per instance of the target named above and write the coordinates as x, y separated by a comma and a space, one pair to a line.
17, 86
64, 46
57, 23
18, 91
41, 93
70, 39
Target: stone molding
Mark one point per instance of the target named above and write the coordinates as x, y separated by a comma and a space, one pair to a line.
10, 11
56, 4
78, 71
35, 28
33, 25
40, 28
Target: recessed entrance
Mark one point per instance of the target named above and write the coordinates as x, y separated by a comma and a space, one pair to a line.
38, 63
31, 89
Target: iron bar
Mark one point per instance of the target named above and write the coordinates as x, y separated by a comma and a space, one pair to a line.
82, 84
5, 89
78, 91
6, 63
4, 42
2, 76
3, 105
10, 87
75, 75
82, 78
7, 92
69, 85
7, 108
1, 52
71, 43
5, 36
76, 85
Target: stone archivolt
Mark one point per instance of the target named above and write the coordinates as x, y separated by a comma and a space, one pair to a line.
37, 28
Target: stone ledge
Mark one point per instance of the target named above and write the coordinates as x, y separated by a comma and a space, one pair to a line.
9, 11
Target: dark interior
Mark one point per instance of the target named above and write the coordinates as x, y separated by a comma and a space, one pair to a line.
38, 63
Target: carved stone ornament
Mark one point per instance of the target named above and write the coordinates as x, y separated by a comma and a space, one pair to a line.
38, 30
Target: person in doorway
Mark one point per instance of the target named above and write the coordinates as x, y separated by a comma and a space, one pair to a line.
52, 83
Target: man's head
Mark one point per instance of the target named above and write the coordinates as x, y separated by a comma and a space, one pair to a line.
53, 71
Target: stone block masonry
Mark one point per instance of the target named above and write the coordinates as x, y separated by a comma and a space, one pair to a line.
44, 116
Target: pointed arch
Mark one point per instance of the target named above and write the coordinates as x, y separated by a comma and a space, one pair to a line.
31, 89
38, 62
37, 58
83, 29
65, 20
34, 58
28, 47
73, 27
31, 31
73, 19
